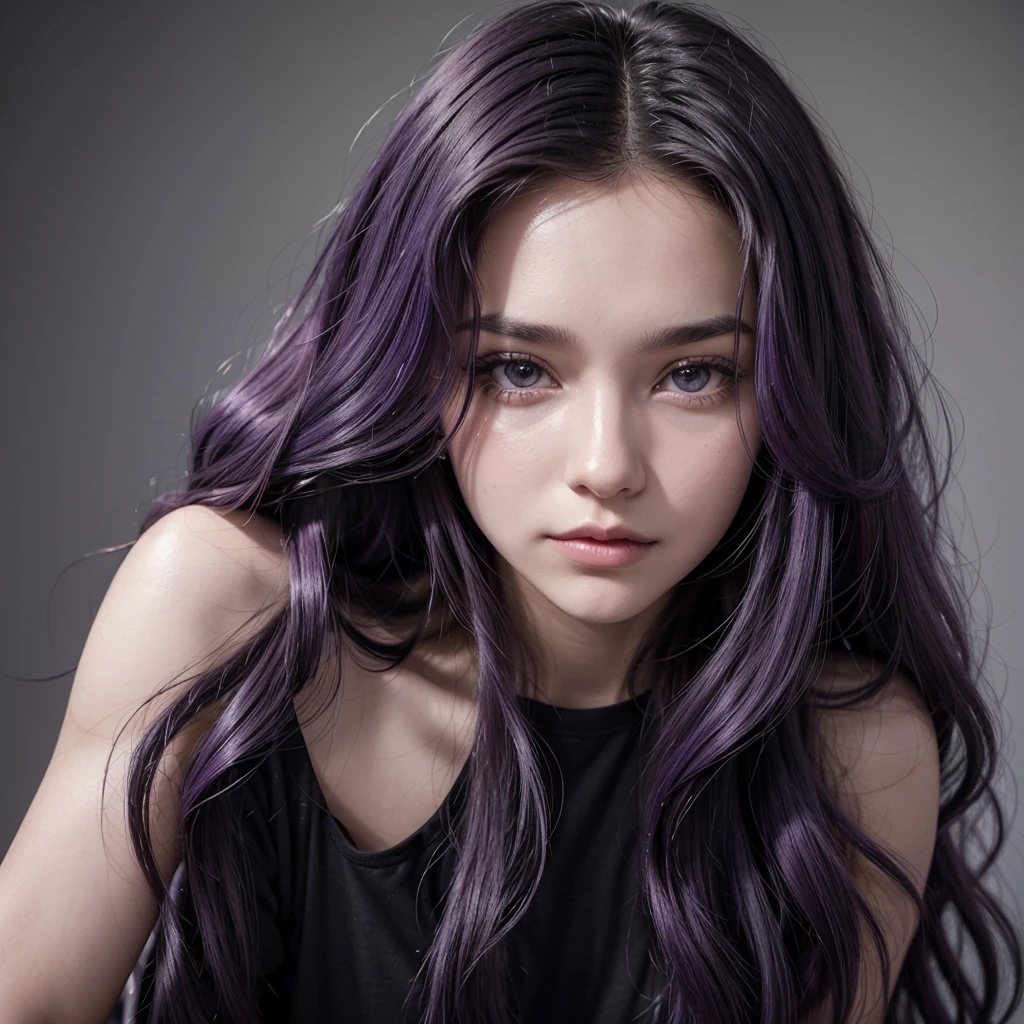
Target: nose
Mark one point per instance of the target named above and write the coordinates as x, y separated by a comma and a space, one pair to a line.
604, 454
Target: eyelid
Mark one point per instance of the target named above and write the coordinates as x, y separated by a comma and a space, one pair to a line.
512, 357
721, 363
729, 370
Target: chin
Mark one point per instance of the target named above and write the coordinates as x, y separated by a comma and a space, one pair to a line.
604, 609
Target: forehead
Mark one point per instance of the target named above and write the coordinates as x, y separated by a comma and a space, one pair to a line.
646, 247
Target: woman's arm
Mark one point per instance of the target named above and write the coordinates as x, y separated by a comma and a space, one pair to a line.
888, 782
75, 909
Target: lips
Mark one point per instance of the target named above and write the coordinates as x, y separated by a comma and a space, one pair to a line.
605, 540
602, 554
603, 536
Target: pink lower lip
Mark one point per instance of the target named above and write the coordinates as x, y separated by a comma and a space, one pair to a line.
611, 554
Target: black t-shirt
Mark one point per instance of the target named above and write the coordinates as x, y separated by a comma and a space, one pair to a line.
342, 932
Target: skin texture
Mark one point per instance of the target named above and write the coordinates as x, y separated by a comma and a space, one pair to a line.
603, 434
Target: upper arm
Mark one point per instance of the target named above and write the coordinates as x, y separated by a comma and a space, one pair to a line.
75, 909
887, 780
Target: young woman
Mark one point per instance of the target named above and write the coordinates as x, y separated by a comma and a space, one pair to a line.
557, 623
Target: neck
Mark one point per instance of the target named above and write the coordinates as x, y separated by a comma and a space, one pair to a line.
580, 663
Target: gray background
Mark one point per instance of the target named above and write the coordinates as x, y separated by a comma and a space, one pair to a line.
163, 165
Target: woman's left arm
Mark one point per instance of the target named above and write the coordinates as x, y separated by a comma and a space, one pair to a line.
888, 782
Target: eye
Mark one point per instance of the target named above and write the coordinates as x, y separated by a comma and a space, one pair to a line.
519, 371
693, 376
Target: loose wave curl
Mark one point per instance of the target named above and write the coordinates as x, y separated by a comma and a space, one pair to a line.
335, 435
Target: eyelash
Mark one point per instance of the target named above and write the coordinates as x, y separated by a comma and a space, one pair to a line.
724, 366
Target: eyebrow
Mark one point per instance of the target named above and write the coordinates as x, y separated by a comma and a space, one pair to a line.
652, 341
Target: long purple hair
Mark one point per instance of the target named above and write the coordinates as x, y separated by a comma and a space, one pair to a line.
840, 543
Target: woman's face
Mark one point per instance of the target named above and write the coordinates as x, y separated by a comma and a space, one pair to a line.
584, 423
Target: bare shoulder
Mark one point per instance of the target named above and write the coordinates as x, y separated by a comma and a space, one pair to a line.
895, 717
194, 585
210, 551
227, 565
889, 734
842, 671
882, 758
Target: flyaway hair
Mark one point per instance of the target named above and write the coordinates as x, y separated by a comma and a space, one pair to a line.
840, 543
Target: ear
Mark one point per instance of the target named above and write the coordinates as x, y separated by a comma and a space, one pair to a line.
883, 760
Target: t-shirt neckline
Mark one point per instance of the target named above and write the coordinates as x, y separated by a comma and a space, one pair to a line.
608, 718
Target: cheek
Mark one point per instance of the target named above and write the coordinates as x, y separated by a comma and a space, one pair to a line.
704, 482
495, 461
